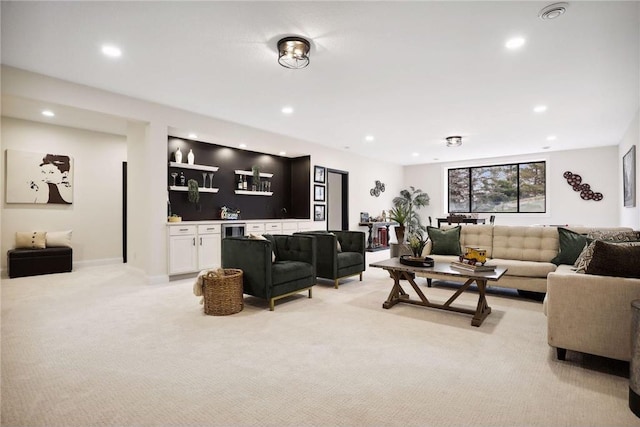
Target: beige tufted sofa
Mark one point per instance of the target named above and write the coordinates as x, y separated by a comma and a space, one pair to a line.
585, 313
525, 251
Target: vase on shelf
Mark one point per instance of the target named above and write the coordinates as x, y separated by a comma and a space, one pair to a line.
178, 155
190, 157
183, 180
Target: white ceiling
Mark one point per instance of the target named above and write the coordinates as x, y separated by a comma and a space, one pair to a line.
408, 73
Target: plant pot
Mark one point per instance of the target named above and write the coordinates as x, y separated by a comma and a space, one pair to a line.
400, 233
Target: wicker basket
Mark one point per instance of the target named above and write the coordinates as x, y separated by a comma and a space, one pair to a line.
223, 294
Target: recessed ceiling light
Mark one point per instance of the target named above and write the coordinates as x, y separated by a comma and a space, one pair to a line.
369, 138
552, 138
111, 51
242, 145
346, 147
546, 147
283, 153
435, 158
415, 154
192, 136
514, 43
48, 113
540, 108
287, 110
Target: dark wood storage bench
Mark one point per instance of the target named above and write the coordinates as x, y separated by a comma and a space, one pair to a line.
32, 262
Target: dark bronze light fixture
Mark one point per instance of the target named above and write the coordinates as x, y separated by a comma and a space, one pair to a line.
454, 141
293, 52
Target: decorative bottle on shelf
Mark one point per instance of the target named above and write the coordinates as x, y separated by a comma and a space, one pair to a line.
244, 183
239, 182
190, 157
183, 180
178, 155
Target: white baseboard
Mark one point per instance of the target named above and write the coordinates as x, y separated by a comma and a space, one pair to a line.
96, 262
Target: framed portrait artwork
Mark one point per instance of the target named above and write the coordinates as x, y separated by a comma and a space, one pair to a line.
318, 212
318, 193
629, 177
318, 174
39, 178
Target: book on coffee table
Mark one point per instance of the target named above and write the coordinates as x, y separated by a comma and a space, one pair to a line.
469, 267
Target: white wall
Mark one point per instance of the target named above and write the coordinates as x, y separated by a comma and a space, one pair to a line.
146, 138
96, 213
630, 217
598, 167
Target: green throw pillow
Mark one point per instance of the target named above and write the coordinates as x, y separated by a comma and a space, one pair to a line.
571, 245
444, 241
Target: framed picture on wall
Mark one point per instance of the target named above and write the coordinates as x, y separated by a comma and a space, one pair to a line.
318, 193
318, 212
318, 174
39, 178
629, 177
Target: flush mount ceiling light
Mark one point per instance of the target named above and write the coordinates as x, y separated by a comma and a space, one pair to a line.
454, 141
293, 52
553, 11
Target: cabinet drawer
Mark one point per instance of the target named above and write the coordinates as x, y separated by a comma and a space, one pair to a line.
255, 228
290, 226
273, 227
209, 229
182, 230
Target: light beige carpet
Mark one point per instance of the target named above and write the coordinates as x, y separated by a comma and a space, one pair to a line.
100, 347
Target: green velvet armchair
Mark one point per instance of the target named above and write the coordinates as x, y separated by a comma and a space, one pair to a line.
293, 271
336, 264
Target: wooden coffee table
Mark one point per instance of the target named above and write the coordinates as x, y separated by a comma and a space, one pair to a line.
400, 271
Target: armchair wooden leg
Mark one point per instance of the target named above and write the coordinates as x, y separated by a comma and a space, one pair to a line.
336, 283
361, 276
272, 304
310, 294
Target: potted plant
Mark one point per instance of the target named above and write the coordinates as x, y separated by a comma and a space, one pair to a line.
399, 214
193, 194
255, 185
412, 199
417, 242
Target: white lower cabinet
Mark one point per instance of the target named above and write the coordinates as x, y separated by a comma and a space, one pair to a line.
209, 245
183, 252
194, 248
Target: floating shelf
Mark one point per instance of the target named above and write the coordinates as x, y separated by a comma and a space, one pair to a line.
249, 173
254, 193
196, 167
200, 189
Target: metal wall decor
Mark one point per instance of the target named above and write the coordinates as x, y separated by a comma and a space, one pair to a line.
575, 181
379, 188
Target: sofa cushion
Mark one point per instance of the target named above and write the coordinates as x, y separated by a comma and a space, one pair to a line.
58, 239
614, 260
30, 240
586, 255
348, 259
523, 268
613, 235
288, 271
525, 243
571, 244
444, 241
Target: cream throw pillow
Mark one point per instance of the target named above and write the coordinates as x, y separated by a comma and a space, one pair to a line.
30, 240
59, 239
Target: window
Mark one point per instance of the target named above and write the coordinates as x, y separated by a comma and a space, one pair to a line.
517, 188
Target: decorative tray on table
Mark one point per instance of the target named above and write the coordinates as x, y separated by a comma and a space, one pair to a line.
416, 261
